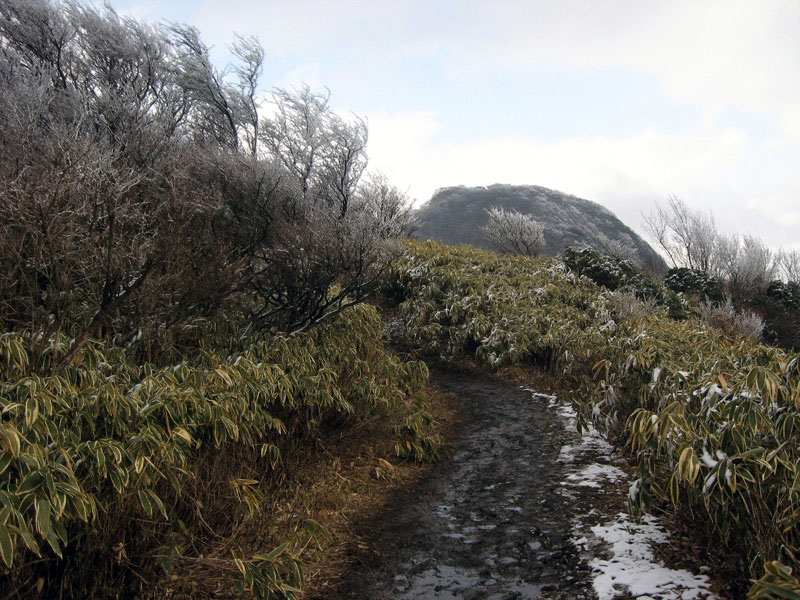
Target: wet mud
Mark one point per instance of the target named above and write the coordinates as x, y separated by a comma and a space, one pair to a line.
495, 519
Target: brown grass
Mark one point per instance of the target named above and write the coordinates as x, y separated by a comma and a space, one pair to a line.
355, 484
341, 483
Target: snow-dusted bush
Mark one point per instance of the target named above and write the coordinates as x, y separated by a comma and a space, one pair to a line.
615, 273
746, 264
619, 249
626, 306
725, 318
511, 232
787, 294
143, 192
697, 283
608, 271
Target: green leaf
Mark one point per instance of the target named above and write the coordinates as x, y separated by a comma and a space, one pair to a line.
43, 517
6, 546
275, 553
29, 540
80, 508
147, 505
5, 461
183, 434
52, 539
167, 564
116, 481
297, 570
31, 411
11, 440
159, 504
779, 591
31, 482
173, 480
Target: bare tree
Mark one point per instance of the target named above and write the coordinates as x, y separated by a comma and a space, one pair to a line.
106, 227
789, 262
344, 160
512, 232
389, 209
248, 71
690, 239
215, 117
316, 267
753, 267
294, 137
618, 249
324, 154
315, 263
687, 237
142, 193
38, 37
728, 255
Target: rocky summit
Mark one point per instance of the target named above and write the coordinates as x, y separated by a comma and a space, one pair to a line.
455, 215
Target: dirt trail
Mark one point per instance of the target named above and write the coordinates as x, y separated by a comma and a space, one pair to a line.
492, 521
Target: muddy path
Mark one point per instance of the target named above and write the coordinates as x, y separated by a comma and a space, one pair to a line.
523, 507
493, 520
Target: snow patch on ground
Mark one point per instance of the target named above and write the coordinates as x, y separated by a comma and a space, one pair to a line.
596, 475
632, 567
591, 442
628, 567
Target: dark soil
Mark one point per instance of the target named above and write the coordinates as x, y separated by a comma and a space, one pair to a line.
494, 519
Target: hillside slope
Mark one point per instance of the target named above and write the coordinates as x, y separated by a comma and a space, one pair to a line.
454, 215
711, 418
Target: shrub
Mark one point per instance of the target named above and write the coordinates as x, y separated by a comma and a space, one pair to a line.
504, 310
627, 307
111, 452
711, 419
607, 271
614, 273
142, 192
787, 294
694, 283
511, 232
782, 322
727, 319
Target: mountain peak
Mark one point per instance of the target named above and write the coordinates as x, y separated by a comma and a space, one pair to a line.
455, 215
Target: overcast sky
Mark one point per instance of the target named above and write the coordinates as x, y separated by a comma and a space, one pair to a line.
620, 102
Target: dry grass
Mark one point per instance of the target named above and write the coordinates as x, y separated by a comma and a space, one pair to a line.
543, 379
359, 478
328, 495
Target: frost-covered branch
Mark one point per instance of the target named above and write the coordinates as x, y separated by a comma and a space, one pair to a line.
512, 232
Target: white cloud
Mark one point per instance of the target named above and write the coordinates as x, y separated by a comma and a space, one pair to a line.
719, 52
306, 73
730, 64
648, 160
790, 121
626, 174
401, 145
782, 208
